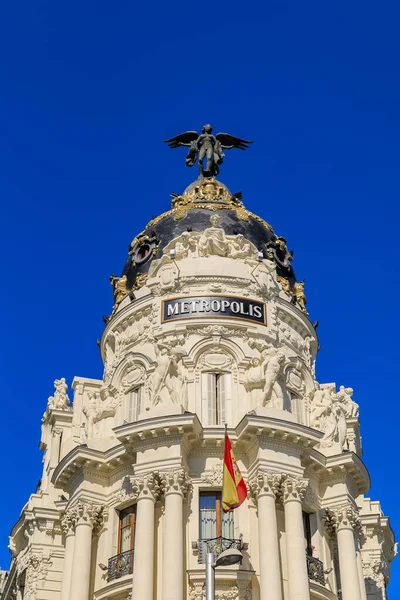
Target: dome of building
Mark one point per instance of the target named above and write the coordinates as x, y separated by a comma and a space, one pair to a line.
191, 212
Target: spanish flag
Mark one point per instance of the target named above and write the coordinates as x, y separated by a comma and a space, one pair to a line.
234, 490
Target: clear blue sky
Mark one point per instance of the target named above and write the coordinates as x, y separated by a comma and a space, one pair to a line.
88, 92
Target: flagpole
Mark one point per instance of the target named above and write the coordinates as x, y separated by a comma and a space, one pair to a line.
223, 462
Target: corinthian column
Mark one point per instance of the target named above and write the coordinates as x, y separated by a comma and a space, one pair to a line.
175, 484
264, 487
343, 521
146, 488
293, 494
68, 526
86, 517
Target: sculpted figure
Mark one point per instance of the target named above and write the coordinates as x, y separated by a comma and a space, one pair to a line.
207, 146
273, 391
239, 247
90, 411
193, 250
255, 380
328, 415
182, 246
322, 401
119, 288
169, 380
213, 240
351, 408
60, 400
176, 380
300, 296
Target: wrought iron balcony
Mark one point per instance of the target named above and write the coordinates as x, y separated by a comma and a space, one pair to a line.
216, 546
315, 570
120, 565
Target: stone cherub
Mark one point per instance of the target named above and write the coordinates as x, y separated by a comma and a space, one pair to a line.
207, 146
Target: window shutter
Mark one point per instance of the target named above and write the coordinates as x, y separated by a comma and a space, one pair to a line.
134, 404
208, 398
221, 398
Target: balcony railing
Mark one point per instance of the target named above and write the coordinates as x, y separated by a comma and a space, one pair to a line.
315, 570
216, 546
120, 565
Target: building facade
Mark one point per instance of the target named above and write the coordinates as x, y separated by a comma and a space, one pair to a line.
209, 326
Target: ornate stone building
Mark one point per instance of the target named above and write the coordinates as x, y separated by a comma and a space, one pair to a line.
209, 326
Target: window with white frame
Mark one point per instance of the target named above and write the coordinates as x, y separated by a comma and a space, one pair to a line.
134, 404
216, 393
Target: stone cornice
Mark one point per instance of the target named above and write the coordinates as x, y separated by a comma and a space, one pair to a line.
88, 458
337, 468
158, 429
253, 427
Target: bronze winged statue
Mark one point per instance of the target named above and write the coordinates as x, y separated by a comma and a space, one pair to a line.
207, 146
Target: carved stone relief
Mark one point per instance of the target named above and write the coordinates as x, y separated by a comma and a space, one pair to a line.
169, 381
214, 476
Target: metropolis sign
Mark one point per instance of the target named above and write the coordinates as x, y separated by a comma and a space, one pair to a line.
213, 306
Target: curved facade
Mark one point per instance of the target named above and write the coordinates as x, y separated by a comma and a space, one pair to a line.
209, 326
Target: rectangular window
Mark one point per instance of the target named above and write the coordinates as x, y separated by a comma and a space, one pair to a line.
134, 404
214, 522
216, 391
126, 531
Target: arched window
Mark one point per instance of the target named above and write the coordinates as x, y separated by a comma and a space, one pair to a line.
215, 392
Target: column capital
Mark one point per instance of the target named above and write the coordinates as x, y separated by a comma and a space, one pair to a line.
265, 483
342, 517
56, 431
145, 486
68, 522
175, 481
293, 489
88, 513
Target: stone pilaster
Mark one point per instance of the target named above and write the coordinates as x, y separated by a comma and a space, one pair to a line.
146, 490
175, 484
343, 522
264, 487
293, 492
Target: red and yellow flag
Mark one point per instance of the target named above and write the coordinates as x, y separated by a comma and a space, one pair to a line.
234, 490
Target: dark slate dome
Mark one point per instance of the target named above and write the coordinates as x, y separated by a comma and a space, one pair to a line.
192, 212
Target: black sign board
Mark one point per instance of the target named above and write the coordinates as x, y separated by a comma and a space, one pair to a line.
213, 306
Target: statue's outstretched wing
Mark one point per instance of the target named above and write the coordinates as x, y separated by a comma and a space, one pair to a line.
183, 139
229, 141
